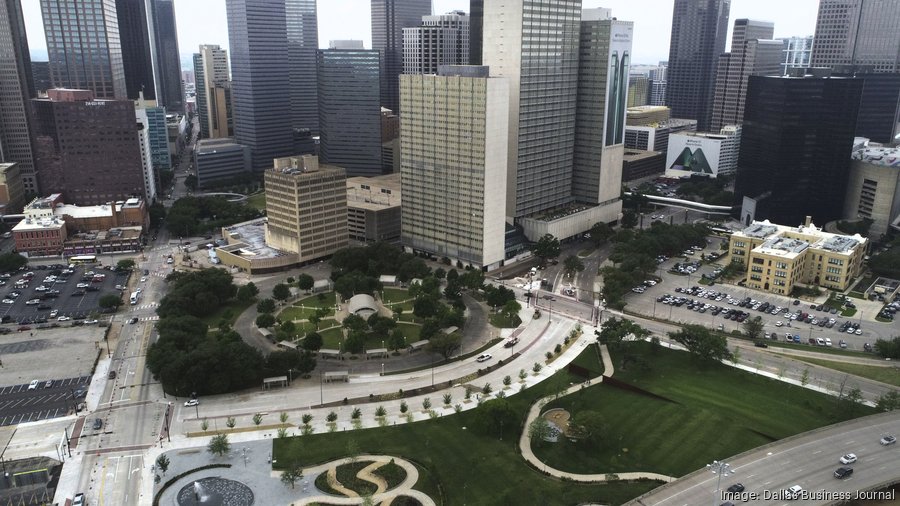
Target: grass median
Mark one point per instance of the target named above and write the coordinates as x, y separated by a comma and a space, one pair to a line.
886, 374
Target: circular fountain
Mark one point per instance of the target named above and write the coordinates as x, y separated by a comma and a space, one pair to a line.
215, 492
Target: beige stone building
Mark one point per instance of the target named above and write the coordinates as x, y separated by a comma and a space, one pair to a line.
373, 208
306, 206
778, 257
12, 189
873, 189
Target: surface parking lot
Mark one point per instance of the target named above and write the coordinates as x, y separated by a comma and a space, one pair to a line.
31, 296
19, 404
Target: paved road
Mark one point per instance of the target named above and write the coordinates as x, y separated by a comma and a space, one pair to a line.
20, 405
807, 460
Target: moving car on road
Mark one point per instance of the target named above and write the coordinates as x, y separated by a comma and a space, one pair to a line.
848, 459
192, 402
843, 472
888, 440
484, 357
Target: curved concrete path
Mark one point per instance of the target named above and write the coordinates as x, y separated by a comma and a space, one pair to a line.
404, 489
535, 411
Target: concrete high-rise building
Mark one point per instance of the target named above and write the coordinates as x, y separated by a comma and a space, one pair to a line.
534, 44
454, 166
306, 207
349, 110
603, 92
157, 135
213, 87
12, 191
858, 32
638, 90
150, 177
218, 161
699, 30
87, 149
40, 74
657, 93
873, 191
753, 52
84, 46
476, 30
796, 53
373, 208
441, 40
16, 89
273, 75
389, 18
796, 136
167, 59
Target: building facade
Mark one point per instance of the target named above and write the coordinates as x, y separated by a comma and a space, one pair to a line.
373, 208
136, 37
87, 149
220, 161
778, 258
638, 90
389, 18
699, 30
441, 40
16, 89
150, 176
349, 110
534, 44
648, 128
84, 47
638, 164
454, 166
306, 207
858, 32
753, 52
213, 92
793, 158
40, 74
873, 190
703, 154
796, 52
12, 191
476, 31
167, 59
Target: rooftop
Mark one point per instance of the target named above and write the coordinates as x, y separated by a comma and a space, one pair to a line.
780, 239
874, 154
252, 235
374, 192
782, 246
759, 229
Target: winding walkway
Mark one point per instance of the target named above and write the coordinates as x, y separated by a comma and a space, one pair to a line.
535, 411
380, 497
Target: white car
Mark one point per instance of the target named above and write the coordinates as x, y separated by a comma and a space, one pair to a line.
192, 402
779, 323
41, 288
63, 319
82, 285
848, 459
794, 492
8, 301
143, 278
33, 302
54, 313
858, 332
484, 357
90, 322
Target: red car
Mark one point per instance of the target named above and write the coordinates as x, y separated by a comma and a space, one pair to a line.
24, 328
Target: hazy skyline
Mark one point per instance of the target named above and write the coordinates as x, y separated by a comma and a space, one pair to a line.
349, 19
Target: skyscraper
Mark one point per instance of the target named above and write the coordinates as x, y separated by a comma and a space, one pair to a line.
349, 110
167, 60
266, 85
454, 149
87, 149
16, 89
796, 53
699, 30
534, 44
84, 47
213, 92
476, 30
389, 18
753, 52
441, 40
858, 32
137, 56
795, 143
603, 89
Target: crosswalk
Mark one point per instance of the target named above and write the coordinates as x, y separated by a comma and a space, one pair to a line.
149, 318
151, 305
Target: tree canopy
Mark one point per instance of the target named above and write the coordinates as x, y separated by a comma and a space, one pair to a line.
702, 342
12, 261
198, 293
546, 247
192, 215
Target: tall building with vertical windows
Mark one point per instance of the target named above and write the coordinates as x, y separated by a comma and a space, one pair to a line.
858, 32
534, 44
16, 90
441, 40
150, 177
349, 110
699, 30
476, 31
454, 149
753, 52
86, 148
272, 94
795, 140
167, 61
78, 60
603, 92
389, 18
796, 52
213, 92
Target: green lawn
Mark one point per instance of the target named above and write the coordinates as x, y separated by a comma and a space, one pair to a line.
296, 313
391, 295
331, 338
233, 310
889, 375
713, 411
257, 201
589, 361
501, 321
324, 299
466, 464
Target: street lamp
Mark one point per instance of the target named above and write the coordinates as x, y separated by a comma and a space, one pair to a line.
720, 469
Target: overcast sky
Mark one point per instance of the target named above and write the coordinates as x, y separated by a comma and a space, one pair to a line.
204, 21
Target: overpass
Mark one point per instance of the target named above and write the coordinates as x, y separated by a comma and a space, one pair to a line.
687, 204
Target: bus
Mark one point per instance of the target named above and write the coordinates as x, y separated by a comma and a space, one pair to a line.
83, 259
134, 298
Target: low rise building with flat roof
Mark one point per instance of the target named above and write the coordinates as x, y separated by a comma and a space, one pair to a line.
246, 249
373, 208
638, 164
778, 257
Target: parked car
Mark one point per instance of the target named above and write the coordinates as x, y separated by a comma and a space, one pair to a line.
98, 423
33, 385
79, 500
192, 402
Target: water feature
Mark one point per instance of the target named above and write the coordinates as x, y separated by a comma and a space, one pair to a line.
215, 491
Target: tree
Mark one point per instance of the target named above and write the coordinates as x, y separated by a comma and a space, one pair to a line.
292, 475
312, 341
12, 262
600, 233
162, 463
126, 264
426, 306
110, 301
305, 282
753, 328
397, 340
572, 264
539, 429
701, 342
615, 330
889, 401
190, 182
265, 306
493, 415
247, 292
157, 213
888, 349
546, 247
629, 219
219, 445
445, 344
512, 308
265, 320
257, 418
281, 292
589, 426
